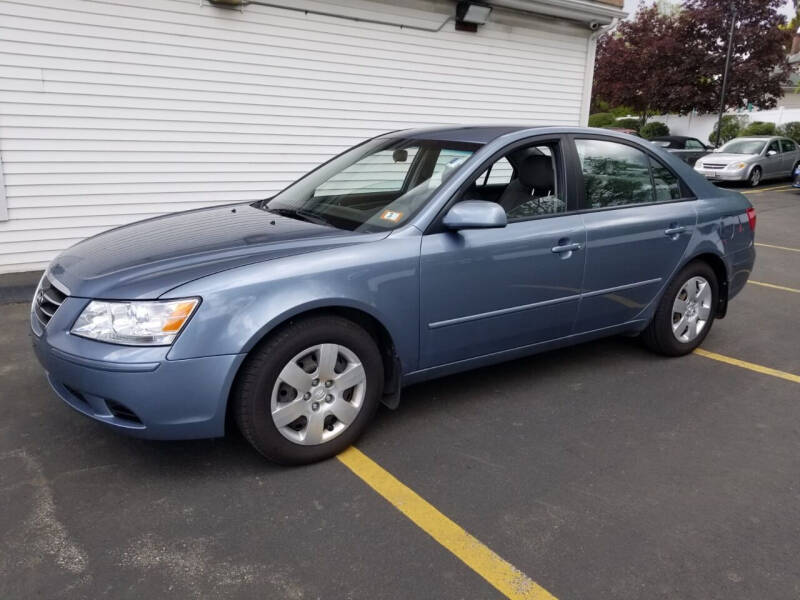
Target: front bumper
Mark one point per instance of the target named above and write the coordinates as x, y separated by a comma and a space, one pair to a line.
724, 174
135, 390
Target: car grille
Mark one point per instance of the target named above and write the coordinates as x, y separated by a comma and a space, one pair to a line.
713, 166
47, 300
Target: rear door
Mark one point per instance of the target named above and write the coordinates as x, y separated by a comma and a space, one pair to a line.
788, 157
638, 220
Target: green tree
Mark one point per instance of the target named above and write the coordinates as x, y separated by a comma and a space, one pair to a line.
759, 128
731, 126
601, 120
654, 129
790, 130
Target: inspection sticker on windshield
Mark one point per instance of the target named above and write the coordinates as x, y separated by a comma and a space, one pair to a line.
391, 215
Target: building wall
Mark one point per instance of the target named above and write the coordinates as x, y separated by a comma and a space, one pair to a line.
117, 110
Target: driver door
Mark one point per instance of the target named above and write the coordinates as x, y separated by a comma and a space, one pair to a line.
772, 160
485, 291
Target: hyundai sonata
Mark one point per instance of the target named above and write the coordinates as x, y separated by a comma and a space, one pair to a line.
413, 255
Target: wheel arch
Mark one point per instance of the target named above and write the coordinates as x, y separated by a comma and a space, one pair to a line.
716, 262
392, 366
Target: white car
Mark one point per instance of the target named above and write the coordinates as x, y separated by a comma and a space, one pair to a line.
751, 159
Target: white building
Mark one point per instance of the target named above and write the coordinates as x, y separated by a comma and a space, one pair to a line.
117, 110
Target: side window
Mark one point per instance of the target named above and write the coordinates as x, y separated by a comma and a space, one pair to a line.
614, 174
667, 186
694, 145
788, 146
499, 173
525, 182
774, 147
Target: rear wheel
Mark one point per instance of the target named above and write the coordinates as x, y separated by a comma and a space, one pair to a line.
685, 313
755, 177
310, 390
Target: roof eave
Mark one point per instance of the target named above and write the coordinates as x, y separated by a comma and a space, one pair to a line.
584, 11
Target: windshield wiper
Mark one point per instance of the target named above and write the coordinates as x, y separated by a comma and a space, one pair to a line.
300, 215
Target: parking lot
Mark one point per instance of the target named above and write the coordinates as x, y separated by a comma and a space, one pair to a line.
601, 471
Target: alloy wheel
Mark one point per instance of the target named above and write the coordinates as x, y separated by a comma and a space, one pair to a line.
691, 309
755, 177
318, 394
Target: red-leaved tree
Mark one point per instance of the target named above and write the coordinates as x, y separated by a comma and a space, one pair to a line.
661, 63
759, 66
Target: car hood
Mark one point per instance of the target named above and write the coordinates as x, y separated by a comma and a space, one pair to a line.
725, 158
148, 258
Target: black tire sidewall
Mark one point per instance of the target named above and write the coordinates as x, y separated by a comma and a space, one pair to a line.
252, 399
750, 180
662, 321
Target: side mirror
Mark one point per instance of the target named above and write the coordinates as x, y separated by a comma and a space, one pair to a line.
475, 214
771, 152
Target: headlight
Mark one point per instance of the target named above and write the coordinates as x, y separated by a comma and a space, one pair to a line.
737, 166
147, 323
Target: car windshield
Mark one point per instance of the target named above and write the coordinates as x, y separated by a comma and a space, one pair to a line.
375, 186
743, 147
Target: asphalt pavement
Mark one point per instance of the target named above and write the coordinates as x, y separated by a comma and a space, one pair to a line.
599, 471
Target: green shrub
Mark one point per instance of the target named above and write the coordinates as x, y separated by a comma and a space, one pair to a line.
629, 123
654, 129
621, 111
601, 120
759, 128
731, 127
791, 130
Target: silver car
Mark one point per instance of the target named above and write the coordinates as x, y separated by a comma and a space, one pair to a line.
751, 159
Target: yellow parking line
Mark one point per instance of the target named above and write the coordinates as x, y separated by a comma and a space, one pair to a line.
778, 247
775, 287
748, 365
772, 189
502, 575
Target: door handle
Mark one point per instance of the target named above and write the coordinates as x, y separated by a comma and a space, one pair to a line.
565, 248
674, 232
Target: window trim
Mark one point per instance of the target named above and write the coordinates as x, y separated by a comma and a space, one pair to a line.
686, 191
3, 197
564, 177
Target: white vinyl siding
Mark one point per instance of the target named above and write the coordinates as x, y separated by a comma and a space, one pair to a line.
117, 110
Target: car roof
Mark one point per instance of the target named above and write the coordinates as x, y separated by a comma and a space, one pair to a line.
478, 134
672, 138
760, 137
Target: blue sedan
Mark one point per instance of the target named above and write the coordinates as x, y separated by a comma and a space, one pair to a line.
413, 255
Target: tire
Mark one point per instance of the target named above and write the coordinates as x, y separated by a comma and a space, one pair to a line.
755, 177
260, 395
670, 333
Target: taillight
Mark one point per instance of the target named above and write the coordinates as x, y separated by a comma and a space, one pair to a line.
751, 217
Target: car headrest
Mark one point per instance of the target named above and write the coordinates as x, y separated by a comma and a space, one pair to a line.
536, 171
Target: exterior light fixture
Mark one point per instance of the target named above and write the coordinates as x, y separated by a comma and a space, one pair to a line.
471, 14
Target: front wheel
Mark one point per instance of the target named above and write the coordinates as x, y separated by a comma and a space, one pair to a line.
755, 177
685, 313
309, 390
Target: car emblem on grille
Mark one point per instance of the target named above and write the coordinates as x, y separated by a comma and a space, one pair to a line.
40, 297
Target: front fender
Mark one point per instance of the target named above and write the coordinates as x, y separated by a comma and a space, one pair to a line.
243, 305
